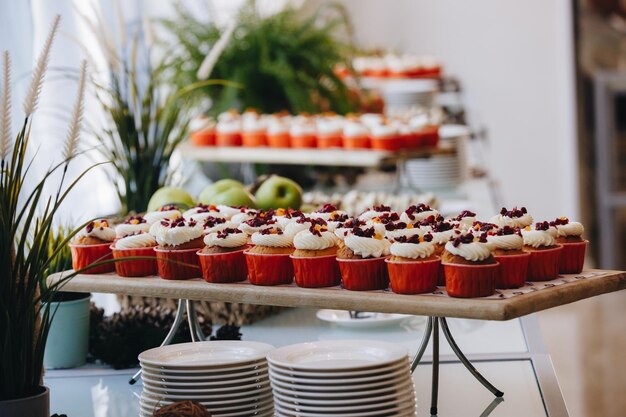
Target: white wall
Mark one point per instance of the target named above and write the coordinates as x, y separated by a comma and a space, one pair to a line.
515, 61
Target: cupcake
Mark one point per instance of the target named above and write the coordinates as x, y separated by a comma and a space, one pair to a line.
380, 223
268, 261
507, 248
257, 224
243, 215
303, 135
216, 224
326, 211
139, 244
202, 212
342, 229
355, 135
413, 266
400, 228
228, 132
442, 232
375, 211
385, 137
417, 213
470, 268
329, 132
336, 219
513, 218
166, 212
131, 226
300, 224
178, 241
202, 131
465, 219
253, 130
229, 211
314, 259
569, 235
545, 253
222, 259
278, 133
93, 244
362, 260
285, 216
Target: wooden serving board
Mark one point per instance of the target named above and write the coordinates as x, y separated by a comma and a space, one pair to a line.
506, 307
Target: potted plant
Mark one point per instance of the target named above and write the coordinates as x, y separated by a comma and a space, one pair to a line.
27, 214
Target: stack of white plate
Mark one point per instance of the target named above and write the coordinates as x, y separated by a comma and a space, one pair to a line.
353, 378
441, 171
230, 378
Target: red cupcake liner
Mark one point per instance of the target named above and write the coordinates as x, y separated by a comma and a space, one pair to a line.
316, 271
470, 281
441, 276
513, 270
269, 269
428, 137
253, 139
573, 257
278, 141
168, 268
134, 267
85, 255
219, 268
364, 274
228, 139
386, 144
203, 138
413, 277
544, 264
359, 142
308, 141
329, 141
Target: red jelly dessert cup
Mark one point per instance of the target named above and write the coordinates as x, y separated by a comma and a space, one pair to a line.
429, 136
134, 267
228, 139
513, 270
470, 281
170, 264
254, 139
544, 264
386, 144
413, 277
306, 141
357, 142
572, 257
279, 140
203, 138
329, 141
316, 271
269, 269
220, 268
364, 274
85, 255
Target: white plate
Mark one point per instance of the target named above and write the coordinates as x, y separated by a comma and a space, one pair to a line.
255, 389
211, 370
343, 374
339, 382
340, 389
342, 318
266, 410
400, 394
218, 385
199, 355
407, 411
203, 379
341, 395
214, 407
337, 355
209, 394
380, 408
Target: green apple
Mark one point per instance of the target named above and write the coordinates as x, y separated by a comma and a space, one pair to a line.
279, 192
210, 192
235, 196
170, 195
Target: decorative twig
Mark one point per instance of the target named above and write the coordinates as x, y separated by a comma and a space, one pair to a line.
71, 140
5, 119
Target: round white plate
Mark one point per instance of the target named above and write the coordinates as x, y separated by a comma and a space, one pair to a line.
342, 318
380, 408
218, 385
343, 374
397, 412
210, 394
295, 385
342, 381
250, 390
198, 355
401, 394
209, 371
337, 355
204, 379
341, 395
214, 407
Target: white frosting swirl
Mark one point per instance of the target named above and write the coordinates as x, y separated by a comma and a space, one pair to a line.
412, 250
246, 228
294, 227
157, 216
174, 236
201, 217
302, 129
101, 230
219, 227
228, 211
521, 222
383, 131
370, 214
229, 126
506, 242
417, 217
325, 216
232, 240
570, 229
537, 238
243, 216
441, 238
273, 240
201, 123
123, 230
142, 240
308, 241
474, 251
420, 231
353, 129
366, 246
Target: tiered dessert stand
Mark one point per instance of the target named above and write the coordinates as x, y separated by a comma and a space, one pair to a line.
437, 308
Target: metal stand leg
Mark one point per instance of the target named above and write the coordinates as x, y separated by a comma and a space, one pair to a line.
465, 361
178, 319
435, 385
420, 352
194, 325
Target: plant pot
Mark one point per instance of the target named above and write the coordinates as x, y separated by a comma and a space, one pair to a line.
37, 405
68, 339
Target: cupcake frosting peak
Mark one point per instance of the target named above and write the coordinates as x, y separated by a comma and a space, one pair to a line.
413, 247
227, 238
100, 229
517, 217
565, 227
139, 240
366, 243
538, 236
317, 237
272, 237
470, 247
176, 231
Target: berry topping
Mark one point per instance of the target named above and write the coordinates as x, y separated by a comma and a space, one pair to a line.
168, 207
430, 220
135, 220
442, 227
542, 226
508, 230
213, 221
317, 229
352, 223
98, 224
338, 217
178, 222
271, 231
462, 239
484, 227
223, 234
514, 213
386, 218
203, 208
561, 221
396, 226
464, 214
367, 232
419, 208
327, 208
259, 221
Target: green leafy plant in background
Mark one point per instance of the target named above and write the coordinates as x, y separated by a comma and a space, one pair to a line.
27, 216
58, 251
284, 61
